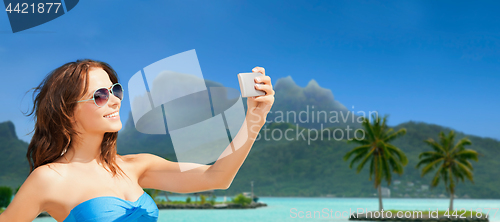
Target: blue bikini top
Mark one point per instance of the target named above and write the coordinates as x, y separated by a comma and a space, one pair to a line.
109, 208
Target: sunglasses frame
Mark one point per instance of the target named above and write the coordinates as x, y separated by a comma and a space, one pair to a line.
110, 91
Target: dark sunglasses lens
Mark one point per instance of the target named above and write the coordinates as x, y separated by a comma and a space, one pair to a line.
101, 97
118, 91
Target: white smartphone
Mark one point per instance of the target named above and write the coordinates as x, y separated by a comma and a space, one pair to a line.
247, 84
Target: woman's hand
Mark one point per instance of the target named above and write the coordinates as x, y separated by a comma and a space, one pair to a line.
259, 106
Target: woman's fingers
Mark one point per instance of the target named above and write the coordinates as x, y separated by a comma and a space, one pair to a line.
264, 85
263, 79
259, 69
264, 99
266, 88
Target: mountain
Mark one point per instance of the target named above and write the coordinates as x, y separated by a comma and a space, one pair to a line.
485, 183
130, 140
296, 168
303, 167
293, 104
309, 107
13, 162
301, 164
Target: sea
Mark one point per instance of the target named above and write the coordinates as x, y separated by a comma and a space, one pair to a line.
318, 209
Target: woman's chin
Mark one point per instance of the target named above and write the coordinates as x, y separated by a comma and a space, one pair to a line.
115, 129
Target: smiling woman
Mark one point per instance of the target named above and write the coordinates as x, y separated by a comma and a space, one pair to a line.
57, 107
75, 171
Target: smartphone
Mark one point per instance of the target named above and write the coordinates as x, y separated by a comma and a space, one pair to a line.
247, 84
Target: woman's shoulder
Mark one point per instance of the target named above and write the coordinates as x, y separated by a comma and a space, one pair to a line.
46, 170
54, 176
34, 195
46, 180
50, 174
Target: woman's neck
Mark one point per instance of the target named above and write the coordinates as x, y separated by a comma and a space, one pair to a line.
85, 149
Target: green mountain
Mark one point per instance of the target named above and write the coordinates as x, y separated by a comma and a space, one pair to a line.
295, 168
293, 104
303, 106
130, 140
13, 160
302, 164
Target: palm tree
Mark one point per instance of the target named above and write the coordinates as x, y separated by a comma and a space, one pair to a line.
375, 147
152, 192
451, 161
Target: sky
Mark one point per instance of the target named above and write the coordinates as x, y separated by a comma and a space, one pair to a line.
431, 61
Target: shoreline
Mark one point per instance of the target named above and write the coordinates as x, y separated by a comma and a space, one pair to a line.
210, 206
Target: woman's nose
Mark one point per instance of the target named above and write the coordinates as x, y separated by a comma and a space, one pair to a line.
114, 100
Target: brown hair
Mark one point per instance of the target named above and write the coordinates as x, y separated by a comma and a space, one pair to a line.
54, 107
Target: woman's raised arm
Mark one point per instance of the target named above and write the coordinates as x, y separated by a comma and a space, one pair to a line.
161, 174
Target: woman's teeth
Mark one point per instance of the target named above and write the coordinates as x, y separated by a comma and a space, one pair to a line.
111, 115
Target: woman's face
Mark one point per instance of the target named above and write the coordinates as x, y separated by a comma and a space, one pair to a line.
91, 118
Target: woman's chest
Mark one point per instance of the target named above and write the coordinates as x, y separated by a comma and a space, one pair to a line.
80, 186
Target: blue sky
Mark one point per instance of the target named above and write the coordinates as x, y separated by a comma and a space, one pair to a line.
431, 61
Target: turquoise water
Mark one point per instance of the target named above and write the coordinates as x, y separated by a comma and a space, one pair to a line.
287, 209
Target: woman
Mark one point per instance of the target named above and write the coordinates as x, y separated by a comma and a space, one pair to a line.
75, 171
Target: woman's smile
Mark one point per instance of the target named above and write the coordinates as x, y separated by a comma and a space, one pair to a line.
114, 115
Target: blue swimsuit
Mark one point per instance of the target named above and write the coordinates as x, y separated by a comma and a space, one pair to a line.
109, 208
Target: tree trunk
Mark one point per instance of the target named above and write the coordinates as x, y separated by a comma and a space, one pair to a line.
379, 191
166, 196
451, 201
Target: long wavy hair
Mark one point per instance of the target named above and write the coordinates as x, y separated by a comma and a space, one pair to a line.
54, 105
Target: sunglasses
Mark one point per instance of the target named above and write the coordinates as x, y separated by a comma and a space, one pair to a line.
101, 95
